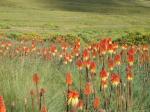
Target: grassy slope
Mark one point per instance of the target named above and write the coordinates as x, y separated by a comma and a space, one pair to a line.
74, 16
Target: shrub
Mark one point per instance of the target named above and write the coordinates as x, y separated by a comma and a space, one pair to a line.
134, 38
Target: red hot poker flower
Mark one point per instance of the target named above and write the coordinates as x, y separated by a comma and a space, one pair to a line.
110, 64
115, 45
131, 59
115, 79
94, 54
128, 68
36, 78
124, 47
104, 84
64, 46
2, 105
69, 78
53, 50
96, 103
80, 104
87, 63
93, 67
145, 47
117, 59
75, 52
131, 51
110, 48
86, 54
44, 109
73, 97
129, 76
88, 89
79, 64
104, 74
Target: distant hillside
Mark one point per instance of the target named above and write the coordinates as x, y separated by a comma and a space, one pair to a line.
75, 16
83, 5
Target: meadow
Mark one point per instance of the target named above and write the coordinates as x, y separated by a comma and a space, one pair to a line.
74, 55
91, 18
45, 76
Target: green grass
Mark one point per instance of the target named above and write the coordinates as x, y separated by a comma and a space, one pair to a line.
87, 17
74, 16
16, 80
16, 83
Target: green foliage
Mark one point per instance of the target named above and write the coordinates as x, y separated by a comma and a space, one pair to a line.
13, 35
5, 26
134, 38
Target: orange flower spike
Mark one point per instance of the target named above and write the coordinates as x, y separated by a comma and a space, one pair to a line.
2, 105
69, 78
73, 97
115, 79
64, 46
44, 109
145, 47
86, 55
9, 44
131, 59
110, 48
124, 47
60, 55
94, 54
75, 52
104, 84
104, 74
45, 51
131, 51
87, 63
79, 64
80, 104
26, 49
103, 46
77, 45
93, 67
109, 40
111, 64
88, 89
36, 78
117, 59
128, 68
3, 44
77, 42
89, 48
115, 46
129, 76
96, 103
68, 57
53, 50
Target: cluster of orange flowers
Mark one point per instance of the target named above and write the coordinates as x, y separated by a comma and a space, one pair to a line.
104, 58
111, 57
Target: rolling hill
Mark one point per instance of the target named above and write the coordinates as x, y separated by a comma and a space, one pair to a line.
74, 16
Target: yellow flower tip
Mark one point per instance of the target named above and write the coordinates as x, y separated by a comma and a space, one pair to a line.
73, 101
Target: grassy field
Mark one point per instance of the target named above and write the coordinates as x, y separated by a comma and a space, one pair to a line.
18, 66
91, 17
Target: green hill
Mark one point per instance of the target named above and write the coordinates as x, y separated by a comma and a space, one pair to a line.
74, 16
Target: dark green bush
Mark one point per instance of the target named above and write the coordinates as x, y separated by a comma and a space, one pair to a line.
134, 38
